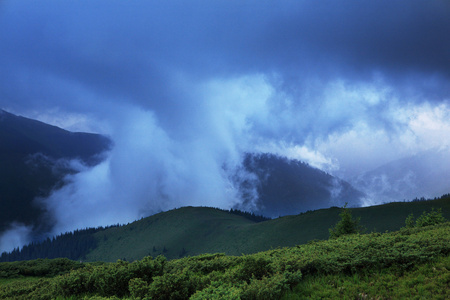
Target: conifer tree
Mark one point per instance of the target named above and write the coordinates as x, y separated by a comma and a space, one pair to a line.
347, 225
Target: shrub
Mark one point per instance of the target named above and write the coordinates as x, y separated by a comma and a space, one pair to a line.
109, 279
174, 286
271, 287
265, 275
409, 222
253, 267
138, 288
432, 218
218, 290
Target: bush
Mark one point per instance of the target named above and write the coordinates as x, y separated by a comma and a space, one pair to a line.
253, 267
138, 288
265, 275
409, 222
109, 279
271, 287
38, 267
174, 286
432, 218
218, 290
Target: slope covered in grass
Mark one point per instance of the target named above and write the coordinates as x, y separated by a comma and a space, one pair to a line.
349, 265
192, 231
424, 281
197, 230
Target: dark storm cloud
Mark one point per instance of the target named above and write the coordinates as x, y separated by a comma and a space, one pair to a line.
130, 50
85, 56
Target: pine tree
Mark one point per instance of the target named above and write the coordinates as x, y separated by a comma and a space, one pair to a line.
347, 225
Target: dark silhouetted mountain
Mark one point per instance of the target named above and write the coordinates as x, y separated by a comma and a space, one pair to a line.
275, 186
34, 160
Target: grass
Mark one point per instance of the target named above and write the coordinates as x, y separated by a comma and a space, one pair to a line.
19, 280
427, 281
197, 230
200, 230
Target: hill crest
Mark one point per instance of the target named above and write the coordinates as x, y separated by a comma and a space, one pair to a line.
189, 231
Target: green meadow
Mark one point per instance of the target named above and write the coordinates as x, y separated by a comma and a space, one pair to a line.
410, 263
190, 231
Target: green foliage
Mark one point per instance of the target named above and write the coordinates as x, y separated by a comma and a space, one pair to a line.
206, 230
38, 267
424, 281
110, 279
27, 288
272, 287
432, 218
344, 261
138, 288
347, 225
409, 222
426, 219
217, 291
174, 286
73, 245
253, 267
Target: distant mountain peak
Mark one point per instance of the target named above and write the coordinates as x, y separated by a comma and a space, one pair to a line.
274, 185
425, 174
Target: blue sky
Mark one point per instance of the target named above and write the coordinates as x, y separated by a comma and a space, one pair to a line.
184, 87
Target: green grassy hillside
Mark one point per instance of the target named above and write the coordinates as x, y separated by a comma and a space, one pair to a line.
196, 229
200, 230
406, 264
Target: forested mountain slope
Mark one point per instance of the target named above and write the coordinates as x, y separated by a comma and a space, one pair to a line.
33, 160
278, 186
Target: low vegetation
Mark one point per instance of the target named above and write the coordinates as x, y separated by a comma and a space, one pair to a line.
410, 262
426, 219
424, 281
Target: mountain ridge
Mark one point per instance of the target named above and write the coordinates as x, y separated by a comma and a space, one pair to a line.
188, 231
281, 186
425, 174
33, 159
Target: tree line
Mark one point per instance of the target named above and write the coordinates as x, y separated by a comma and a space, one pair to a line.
248, 215
73, 245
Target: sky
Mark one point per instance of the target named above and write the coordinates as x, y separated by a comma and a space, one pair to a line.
184, 88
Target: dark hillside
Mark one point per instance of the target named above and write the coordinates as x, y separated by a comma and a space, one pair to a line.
287, 187
391, 216
33, 159
23, 136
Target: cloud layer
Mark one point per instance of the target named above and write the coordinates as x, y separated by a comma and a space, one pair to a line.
186, 88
